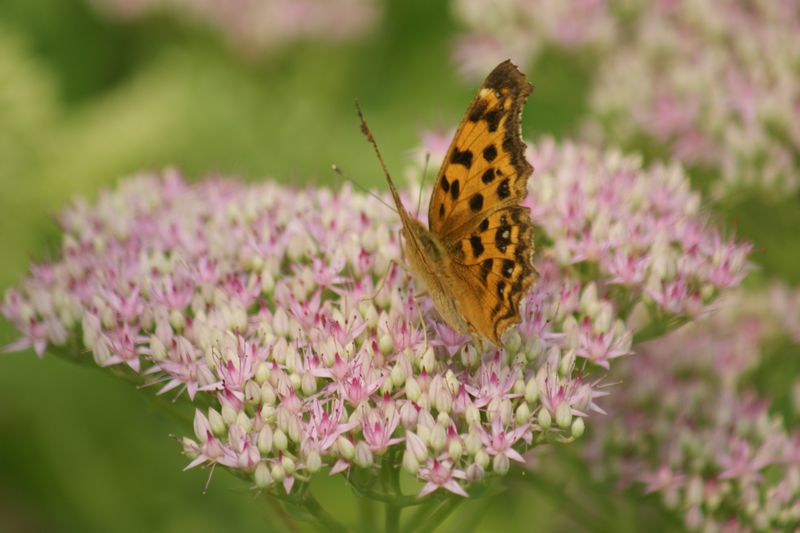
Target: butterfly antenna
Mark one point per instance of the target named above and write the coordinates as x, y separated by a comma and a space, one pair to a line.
344, 176
422, 183
368, 134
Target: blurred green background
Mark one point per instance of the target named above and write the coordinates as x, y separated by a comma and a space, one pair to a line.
86, 100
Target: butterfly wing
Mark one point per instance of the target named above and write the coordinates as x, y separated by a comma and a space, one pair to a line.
474, 208
485, 166
494, 265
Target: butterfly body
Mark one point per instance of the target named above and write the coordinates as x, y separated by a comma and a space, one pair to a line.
476, 255
429, 261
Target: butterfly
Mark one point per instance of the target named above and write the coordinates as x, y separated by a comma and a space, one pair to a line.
475, 258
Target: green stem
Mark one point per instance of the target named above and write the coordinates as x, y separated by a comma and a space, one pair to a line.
280, 512
441, 513
390, 478
322, 518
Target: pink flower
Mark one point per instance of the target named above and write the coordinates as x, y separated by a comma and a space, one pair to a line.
441, 475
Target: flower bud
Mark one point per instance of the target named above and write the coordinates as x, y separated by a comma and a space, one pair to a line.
218, 426
522, 414
455, 449
531, 390
443, 400
386, 344
472, 415
313, 461
264, 441
474, 472
308, 384
563, 415
589, 303
398, 375
513, 341
267, 282
501, 464
544, 419
363, 455
262, 373
229, 414
410, 463
278, 473
472, 442
346, 448
428, 360
261, 476
288, 465
244, 422
438, 438
578, 427
482, 458
413, 390
469, 356
280, 440
567, 362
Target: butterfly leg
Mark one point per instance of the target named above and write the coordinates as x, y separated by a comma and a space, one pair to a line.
392, 264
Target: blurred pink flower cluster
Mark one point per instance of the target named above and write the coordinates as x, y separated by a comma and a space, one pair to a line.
279, 314
714, 83
684, 424
261, 25
521, 29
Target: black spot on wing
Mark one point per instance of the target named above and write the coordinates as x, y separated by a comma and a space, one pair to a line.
502, 237
455, 188
445, 184
503, 191
489, 153
441, 210
501, 287
477, 246
508, 268
477, 112
461, 158
484, 225
486, 267
493, 118
476, 202
488, 176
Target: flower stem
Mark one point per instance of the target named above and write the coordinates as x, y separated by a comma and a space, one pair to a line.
441, 513
390, 478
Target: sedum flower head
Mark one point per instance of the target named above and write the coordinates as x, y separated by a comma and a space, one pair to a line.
685, 425
279, 314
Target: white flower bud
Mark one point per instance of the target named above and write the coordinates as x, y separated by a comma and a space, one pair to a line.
264, 441
563, 415
501, 464
544, 419
363, 455
261, 476
531, 390
522, 414
578, 427
279, 440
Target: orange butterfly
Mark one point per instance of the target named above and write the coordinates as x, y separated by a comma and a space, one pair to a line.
475, 258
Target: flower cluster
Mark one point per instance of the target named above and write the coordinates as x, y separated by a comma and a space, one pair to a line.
685, 426
261, 25
713, 83
642, 228
520, 29
282, 316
